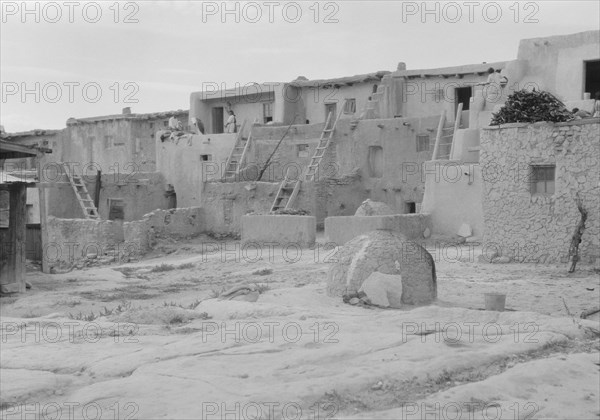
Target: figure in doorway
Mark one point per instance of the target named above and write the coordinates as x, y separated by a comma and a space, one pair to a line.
230, 125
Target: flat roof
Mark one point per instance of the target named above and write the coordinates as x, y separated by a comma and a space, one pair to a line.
454, 71
10, 150
148, 116
340, 81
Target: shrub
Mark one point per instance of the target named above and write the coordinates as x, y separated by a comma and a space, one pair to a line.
531, 106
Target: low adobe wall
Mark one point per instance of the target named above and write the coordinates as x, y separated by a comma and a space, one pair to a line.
453, 191
174, 223
71, 240
280, 229
342, 229
226, 203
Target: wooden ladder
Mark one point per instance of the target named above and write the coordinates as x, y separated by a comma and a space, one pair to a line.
83, 196
444, 141
324, 141
286, 195
237, 155
290, 187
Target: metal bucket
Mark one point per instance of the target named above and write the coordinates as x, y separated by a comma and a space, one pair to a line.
495, 301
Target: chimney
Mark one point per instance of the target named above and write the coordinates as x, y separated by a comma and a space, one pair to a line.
127, 111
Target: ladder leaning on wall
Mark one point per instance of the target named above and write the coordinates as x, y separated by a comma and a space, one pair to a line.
81, 193
290, 187
444, 140
237, 155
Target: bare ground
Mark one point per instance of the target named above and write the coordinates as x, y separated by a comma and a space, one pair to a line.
160, 346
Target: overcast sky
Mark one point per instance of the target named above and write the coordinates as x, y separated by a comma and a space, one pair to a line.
83, 59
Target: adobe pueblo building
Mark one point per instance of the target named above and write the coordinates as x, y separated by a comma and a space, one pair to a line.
295, 157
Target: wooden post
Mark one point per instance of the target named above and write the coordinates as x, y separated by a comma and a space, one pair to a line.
439, 135
44, 226
97, 190
17, 231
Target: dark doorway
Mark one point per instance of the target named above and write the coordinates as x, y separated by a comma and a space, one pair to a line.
33, 242
410, 207
592, 77
463, 96
331, 108
217, 120
116, 209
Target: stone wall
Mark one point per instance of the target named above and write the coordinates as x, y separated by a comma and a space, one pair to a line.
536, 227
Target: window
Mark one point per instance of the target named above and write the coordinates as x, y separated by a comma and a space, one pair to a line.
110, 141
205, 158
267, 112
116, 209
592, 77
4, 208
302, 150
151, 126
410, 207
422, 143
375, 161
542, 179
166, 123
30, 215
350, 106
136, 145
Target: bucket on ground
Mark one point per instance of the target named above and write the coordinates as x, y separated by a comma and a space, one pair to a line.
495, 301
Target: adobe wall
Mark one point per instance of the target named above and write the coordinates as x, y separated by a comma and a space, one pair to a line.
225, 203
537, 227
315, 99
340, 230
141, 192
71, 240
141, 235
556, 63
432, 95
344, 177
180, 161
402, 177
287, 156
283, 230
453, 191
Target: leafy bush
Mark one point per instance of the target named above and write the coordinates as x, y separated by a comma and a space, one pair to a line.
534, 106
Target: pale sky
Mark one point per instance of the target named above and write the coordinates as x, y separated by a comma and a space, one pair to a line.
166, 50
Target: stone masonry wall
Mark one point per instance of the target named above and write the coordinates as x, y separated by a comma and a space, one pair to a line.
533, 227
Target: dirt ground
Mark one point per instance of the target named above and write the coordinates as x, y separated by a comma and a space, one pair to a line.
149, 340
